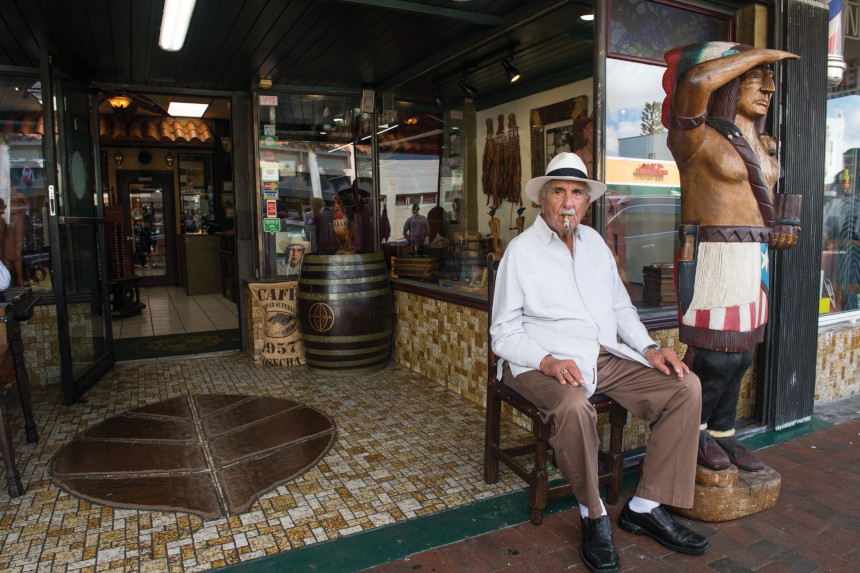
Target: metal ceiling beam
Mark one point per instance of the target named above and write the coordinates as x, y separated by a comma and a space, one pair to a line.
426, 9
532, 11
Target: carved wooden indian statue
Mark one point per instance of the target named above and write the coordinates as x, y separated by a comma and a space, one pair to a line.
718, 95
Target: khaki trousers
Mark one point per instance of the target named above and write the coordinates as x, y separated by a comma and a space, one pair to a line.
672, 406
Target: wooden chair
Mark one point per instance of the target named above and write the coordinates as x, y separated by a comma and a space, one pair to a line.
537, 477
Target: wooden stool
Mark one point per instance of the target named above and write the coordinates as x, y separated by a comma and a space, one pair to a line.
15, 305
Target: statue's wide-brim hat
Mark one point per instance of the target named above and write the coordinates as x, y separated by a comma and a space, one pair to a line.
568, 167
682, 58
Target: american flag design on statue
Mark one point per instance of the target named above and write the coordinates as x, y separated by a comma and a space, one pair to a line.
740, 318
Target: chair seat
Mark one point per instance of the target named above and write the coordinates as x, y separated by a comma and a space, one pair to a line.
537, 476
536, 473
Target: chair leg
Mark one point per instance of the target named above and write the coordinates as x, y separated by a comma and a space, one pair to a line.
614, 457
539, 483
492, 436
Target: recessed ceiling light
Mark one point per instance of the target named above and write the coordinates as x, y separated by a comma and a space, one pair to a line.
185, 109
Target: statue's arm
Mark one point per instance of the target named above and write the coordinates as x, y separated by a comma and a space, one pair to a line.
695, 86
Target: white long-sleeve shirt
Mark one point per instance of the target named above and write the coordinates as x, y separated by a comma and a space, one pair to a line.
5, 279
546, 302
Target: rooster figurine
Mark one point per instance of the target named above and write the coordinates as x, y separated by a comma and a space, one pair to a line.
342, 232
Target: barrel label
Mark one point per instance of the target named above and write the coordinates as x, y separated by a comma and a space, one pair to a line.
321, 317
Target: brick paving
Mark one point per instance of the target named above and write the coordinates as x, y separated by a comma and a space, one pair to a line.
815, 526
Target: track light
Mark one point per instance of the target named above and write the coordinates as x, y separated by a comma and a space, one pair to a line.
512, 73
467, 89
438, 97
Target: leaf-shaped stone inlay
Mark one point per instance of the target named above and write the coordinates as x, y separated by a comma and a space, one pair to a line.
154, 457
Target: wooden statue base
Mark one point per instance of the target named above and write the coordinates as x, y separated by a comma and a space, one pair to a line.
729, 494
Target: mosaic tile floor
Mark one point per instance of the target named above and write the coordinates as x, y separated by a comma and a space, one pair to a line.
406, 447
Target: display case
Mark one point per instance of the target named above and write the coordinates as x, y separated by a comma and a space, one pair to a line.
196, 194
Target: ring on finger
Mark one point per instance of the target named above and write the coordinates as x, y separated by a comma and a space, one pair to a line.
564, 371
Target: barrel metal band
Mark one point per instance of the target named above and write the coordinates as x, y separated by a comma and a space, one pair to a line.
343, 267
346, 363
346, 339
352, 352
343, 295
365, 279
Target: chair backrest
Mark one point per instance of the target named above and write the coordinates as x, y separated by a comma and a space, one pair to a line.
493, 260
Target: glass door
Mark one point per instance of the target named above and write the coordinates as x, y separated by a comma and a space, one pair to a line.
147, 200
76, 220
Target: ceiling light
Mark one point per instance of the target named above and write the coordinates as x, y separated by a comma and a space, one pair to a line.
512, 73
437, 97
587, 17
174, 24
121, 101
185, 109
467, 89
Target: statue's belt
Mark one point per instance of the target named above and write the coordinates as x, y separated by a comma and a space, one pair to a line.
725, 233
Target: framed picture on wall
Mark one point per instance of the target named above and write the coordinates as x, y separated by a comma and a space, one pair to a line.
558, 138
644, 30
551, 128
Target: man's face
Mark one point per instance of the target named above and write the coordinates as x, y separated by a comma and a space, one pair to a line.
588, 131
295, 254
563, 198
415, 210
756, 91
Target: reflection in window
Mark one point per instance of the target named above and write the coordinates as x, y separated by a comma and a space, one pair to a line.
643, 198
24, 243
840, 259
316, 179
423, 221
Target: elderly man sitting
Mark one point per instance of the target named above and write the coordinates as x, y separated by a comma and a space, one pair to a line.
558, 311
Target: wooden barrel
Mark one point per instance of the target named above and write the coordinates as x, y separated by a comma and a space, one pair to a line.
346, 313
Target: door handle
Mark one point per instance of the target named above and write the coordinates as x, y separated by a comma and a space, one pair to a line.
52, 200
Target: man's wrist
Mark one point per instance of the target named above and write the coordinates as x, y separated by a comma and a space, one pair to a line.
648, 349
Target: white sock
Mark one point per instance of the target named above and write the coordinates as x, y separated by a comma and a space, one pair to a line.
583, 510
642, 505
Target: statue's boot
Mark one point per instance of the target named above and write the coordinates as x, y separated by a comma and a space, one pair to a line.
711, 455
739, 455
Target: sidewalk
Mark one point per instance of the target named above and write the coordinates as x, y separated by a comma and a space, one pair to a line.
815, 525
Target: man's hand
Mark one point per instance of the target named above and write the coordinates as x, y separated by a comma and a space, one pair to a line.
565, 371
662, 358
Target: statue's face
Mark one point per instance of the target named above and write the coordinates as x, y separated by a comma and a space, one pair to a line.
756, 92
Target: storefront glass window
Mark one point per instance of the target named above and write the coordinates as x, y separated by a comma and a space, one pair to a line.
24, 242
316, 179
643, 198
421, 170
840, 259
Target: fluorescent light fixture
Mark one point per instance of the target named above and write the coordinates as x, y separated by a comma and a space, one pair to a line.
174, 24
587, 17
387, 128
184, 109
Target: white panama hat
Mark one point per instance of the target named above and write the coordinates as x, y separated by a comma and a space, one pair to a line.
569, 167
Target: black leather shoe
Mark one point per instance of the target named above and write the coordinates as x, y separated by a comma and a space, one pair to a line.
739, 455
598, 551
711, 455
660, 526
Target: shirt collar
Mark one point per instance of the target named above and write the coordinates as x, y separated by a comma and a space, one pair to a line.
546, 234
